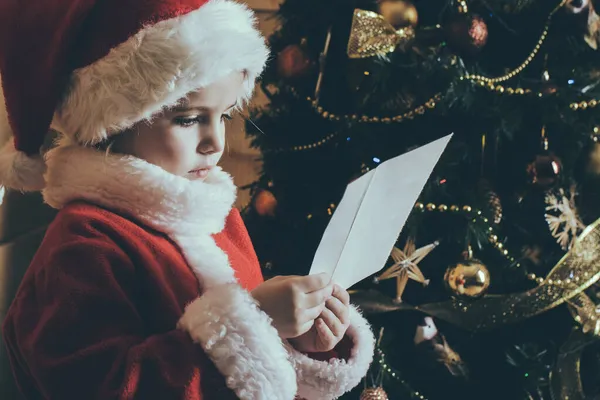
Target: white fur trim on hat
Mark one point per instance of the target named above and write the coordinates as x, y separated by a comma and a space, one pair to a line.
325, 380
242, 343
160, 65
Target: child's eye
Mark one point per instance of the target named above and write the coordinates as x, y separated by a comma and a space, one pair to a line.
187, 121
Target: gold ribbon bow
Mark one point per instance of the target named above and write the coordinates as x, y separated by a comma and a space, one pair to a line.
371, 35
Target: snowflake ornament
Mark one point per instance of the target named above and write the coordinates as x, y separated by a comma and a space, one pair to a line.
563, 220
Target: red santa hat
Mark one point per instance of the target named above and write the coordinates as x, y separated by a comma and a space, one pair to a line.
93, 68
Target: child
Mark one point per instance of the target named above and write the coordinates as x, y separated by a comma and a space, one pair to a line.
146, 285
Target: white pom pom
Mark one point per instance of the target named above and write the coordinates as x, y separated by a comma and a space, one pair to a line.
19, 171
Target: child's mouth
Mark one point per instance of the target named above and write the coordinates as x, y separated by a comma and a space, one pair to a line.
200, 173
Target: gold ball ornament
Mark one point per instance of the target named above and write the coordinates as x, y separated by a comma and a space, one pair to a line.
468, 279
265, 203
374, 394
399, 13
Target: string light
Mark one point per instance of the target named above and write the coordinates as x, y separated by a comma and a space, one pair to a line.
583, 105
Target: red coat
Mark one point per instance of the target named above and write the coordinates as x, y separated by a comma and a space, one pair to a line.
142, 302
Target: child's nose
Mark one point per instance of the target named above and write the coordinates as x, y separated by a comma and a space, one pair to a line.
210, 144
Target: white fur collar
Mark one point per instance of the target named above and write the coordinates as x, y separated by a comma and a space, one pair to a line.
189, 212
171, 204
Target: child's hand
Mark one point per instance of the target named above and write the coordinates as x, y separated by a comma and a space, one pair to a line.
329, 328
293, 302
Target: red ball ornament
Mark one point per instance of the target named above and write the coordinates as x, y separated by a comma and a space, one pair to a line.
545, 170
265, 203
292, 62
466, 34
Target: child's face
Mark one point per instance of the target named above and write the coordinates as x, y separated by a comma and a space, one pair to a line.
187, 140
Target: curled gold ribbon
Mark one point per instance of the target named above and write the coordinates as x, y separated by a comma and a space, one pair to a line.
371, 35
575, 272
565, 377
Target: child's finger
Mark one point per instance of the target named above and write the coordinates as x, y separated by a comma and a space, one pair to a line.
311, 314
326, 337
341, 294
333, 323
318, 297
340, 310
304, 328
311, 283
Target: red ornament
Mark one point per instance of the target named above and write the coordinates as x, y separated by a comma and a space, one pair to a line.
265, 203
545, 170
293, 62
374, 394
466, 34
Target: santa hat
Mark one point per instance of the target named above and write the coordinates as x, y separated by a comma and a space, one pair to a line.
92, 68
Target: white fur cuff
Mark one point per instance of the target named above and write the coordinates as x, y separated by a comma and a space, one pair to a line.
242, 343
322, 380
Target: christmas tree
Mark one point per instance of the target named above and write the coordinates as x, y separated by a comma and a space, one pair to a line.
491, 289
